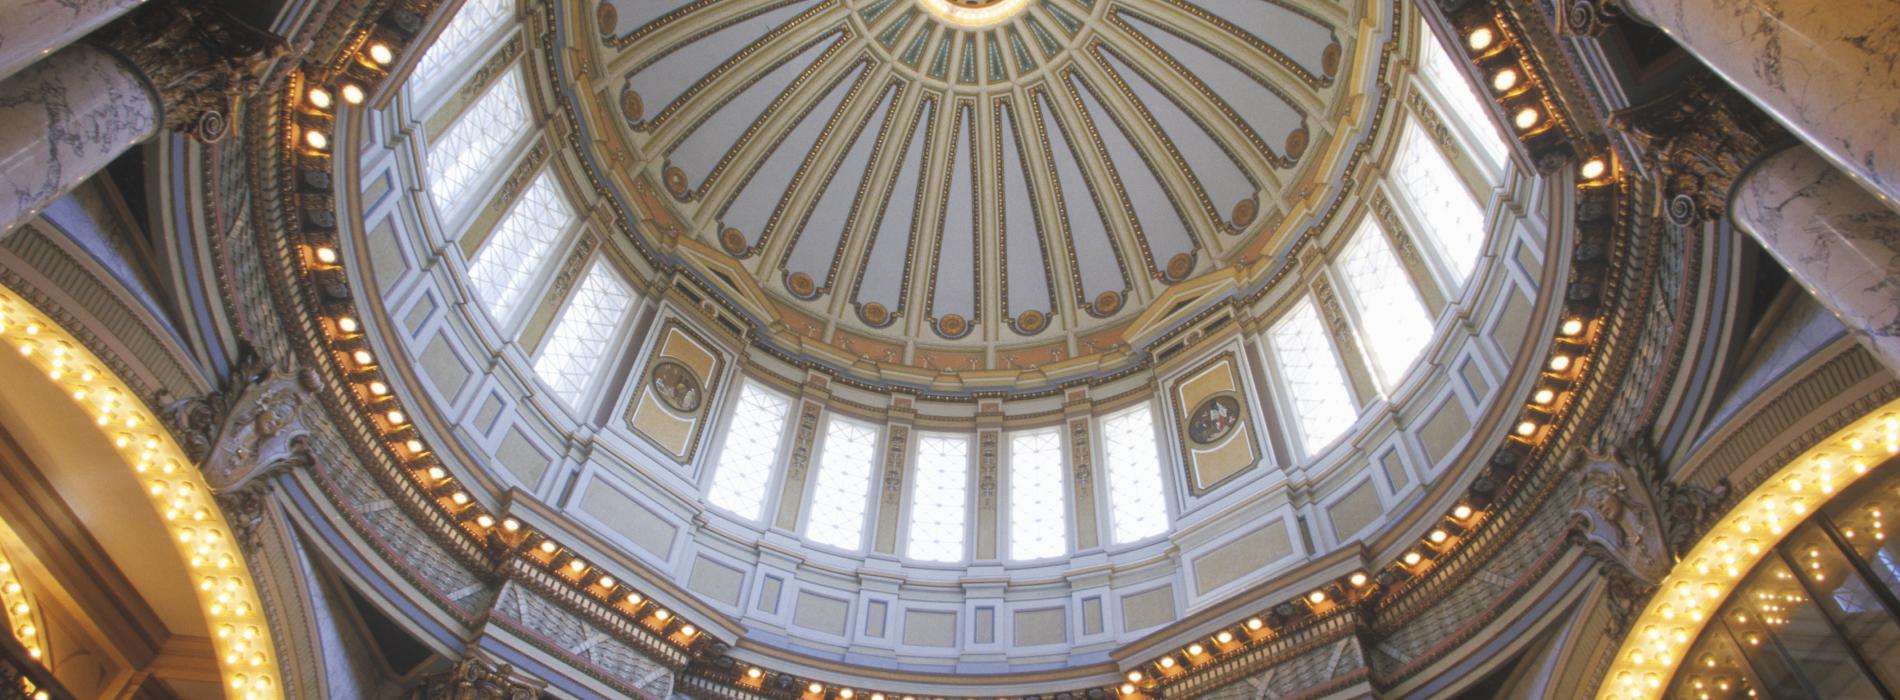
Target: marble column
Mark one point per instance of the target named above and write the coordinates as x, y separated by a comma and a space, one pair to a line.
64, 119
33, 29
1828, 71
1835, 238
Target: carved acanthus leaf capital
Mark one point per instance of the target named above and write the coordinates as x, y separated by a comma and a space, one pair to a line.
199, 58
1696, 141
475, 679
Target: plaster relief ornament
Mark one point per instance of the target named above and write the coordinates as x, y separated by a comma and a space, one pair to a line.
258, 434
1614, 518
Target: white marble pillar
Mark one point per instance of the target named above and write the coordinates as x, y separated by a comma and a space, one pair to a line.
1835, 238
33, 29
63, 119
1828, 70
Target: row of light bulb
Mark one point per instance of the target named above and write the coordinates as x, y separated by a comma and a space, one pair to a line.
177, 493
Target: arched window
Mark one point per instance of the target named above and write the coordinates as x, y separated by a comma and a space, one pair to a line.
513, 255
570, 359
844, 482
463, 37
1393, 320
937, 498
1466, 104
470, 146
750, 449
1137, 504
1322, 401
1449, 214
1038, 514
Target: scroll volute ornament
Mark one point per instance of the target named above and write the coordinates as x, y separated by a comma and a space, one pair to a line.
263, 431
1696, 141
1614, 517
474, 679
199, 58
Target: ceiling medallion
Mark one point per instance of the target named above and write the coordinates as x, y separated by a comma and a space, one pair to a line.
1296, 143
974, 13
800, 285
1179, 266
1031, 322
875, 314
1106, 303
1244, 212
1329, 58
733, 241
631, 106
952, 326
676, 181
606, 16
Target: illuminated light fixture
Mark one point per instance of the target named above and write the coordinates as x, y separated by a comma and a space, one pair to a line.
1316, 597
485, 521
352, 94
1526, 428
548, 547
1572, 326
1526, 118
396, 417
815, 688
320, 98
326, 255
605, 582
315, 138
754, 673
662, 614
1225, 637
577, 566
1128, 689
1591, 170
347, 324
1504, 80
1196, 649
1254, 623
1559, 363
635, 599
1480, 39
363, 357
1357, 579
1438, 536
877, 696
689, 630
510, 524
1135, 676
1167, 662
379, 389
1412, 558
460, 498
381, 54
415, 446
847, 693
1543, 396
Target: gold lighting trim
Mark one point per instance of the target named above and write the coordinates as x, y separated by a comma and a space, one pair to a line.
24, 620
179, 496
1702, 580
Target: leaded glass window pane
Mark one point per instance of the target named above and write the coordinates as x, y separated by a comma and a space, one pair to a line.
1137, 507
570, 361
472, 145
844, 482
1038, 514
513, 255
1393, 319
937, 498
462, 37
1449, 213
1322, 402
1463, 99
750, 450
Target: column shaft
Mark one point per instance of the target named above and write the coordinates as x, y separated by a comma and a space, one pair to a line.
1835, 238
32, 29
1828, 71
65, 118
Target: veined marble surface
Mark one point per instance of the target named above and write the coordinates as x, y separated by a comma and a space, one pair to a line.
1834, 237
65, 118
33, 29
1829, 70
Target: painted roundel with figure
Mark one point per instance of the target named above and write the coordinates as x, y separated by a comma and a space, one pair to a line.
674, 384
1213, 419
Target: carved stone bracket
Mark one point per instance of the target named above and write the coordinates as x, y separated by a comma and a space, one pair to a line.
475, 679
1696, 142
1615, 519
198, 57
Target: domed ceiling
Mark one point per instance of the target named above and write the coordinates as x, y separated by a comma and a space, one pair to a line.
902, 175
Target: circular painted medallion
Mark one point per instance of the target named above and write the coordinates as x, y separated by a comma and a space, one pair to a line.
607, 17
674, 384
1031, 321
800, 285
1244, 212
1179, 266
952, 326
733, 241
632, 108
676, 180
1213, 420
1106, 303
875, 314
1296, 143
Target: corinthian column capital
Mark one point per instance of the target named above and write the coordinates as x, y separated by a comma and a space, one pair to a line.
199, 59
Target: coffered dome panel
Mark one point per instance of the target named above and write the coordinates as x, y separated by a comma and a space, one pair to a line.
949, 172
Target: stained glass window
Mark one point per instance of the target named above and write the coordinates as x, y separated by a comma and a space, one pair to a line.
937, 498
514, 253
844, 482
1322, 402
461, 38
1462, 98
1393, 320
1448, 212
749, 451
1137, 507
570, 361
469, 147
1038, 514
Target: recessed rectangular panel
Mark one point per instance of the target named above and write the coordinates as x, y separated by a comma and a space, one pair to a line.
679, 380
1357, 509
1091, 616
924, 628
715, 581
874, 614
629, 519
1239, 557
1148, 609
821, 614
1041, 627
1443, 430
444, 367
519, 456
1212, 420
